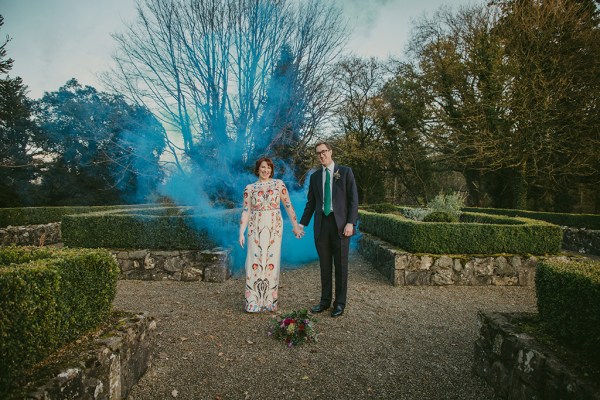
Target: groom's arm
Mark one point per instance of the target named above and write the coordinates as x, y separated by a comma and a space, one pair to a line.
352, 198
309, 209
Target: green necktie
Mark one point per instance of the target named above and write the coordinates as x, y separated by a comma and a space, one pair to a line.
327, 204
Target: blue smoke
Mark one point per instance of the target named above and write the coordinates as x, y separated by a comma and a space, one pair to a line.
295, 252
192, 189
187, 189
136, 169
216, 167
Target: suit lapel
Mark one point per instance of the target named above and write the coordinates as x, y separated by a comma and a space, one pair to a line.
320, 183
334, 183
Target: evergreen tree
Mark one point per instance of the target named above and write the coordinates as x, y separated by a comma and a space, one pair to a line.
104, 150
17, 136
5, 63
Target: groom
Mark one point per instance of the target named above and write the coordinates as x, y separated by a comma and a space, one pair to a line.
333, 198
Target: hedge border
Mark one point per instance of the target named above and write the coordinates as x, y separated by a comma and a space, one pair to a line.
589, 221
140, 229
20, 216
482, 234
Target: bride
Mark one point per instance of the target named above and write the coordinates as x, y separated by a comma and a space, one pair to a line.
262, 216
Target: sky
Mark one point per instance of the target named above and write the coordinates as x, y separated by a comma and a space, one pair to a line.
53, 41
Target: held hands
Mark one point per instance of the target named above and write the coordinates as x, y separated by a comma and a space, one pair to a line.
298, 231
348, 230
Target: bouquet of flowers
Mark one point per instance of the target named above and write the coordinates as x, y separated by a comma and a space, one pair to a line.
293, 328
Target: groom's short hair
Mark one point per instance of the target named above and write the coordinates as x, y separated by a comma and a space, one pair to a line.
324, 143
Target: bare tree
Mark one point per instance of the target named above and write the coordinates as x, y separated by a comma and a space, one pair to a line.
204, 67
359, 118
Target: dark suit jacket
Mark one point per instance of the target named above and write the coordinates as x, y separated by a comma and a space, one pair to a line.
345, 199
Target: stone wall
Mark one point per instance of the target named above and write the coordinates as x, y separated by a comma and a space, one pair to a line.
519, 367
180, 265
585, 241
403, 268
31, 235
115, 362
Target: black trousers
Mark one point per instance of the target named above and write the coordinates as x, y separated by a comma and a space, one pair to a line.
333, 250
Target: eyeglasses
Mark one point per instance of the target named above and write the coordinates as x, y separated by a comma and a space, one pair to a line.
322, 152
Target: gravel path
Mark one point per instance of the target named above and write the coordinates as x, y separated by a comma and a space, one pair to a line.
391, 343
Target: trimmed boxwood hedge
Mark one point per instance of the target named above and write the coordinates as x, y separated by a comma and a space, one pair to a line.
150, 228
589, 221
568, 300
49, 298
381, 207
44, 215
476, 234
440, 216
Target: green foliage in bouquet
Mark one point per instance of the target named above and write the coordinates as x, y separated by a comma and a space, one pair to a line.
293, 328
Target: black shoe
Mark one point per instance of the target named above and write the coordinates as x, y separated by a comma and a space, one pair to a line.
319, 308
337, 311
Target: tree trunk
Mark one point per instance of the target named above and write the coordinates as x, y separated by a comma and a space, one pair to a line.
520, 188
472, 176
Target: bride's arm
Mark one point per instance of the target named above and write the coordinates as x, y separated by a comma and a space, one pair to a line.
245, 215
287, 204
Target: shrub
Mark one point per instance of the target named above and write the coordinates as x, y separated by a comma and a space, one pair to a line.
440, 216
417, 214
440, 206
29, 318
49, 297
568, 299
451, 203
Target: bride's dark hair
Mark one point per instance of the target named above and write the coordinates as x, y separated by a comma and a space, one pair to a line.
269, 163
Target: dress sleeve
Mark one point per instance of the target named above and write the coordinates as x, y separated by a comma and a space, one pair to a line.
287, 203
245, 209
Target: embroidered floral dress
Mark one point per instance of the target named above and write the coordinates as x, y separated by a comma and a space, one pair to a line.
265, 228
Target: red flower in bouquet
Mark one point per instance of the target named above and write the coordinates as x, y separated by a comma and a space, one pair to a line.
293, 328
